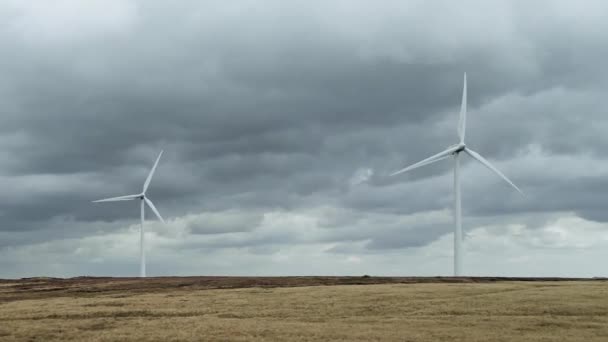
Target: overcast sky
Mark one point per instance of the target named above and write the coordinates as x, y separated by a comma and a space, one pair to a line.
280, 122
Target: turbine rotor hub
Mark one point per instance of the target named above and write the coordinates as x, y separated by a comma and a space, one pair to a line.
460, 147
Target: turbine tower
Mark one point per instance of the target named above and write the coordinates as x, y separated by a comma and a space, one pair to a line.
454, 151
142, 198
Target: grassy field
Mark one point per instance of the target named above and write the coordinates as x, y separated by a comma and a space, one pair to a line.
278, 309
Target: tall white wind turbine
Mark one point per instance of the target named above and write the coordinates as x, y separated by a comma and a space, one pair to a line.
454, 151
143, 199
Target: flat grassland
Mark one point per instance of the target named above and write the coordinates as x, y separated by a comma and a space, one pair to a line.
303, 309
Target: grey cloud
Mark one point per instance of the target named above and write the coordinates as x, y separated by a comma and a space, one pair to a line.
215, 223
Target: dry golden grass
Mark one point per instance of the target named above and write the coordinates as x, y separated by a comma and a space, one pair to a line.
499, 311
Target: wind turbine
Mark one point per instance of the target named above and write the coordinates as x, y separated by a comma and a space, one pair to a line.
454, 151
142, 198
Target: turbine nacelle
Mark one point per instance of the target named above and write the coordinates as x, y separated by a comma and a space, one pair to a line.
459, 148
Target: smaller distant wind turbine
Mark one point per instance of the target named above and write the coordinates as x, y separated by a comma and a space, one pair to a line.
454, 151
143, 198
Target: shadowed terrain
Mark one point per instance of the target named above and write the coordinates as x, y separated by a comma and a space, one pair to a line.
304, 309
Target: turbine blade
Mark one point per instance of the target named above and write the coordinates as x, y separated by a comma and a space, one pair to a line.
439, 156
121, 198
151, 205
462, 123
147, 183
487, 164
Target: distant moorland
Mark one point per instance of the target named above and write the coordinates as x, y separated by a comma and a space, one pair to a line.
303, 309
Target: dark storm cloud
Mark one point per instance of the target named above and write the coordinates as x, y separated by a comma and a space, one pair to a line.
267, 105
